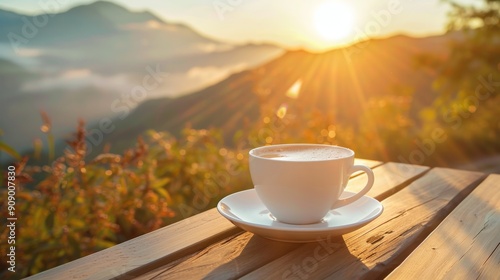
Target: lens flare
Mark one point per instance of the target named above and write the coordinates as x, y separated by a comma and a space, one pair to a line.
294, 91
281, 113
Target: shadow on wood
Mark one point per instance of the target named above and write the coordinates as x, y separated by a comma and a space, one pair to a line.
259, 252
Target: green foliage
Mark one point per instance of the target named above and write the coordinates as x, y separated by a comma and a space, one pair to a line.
8, 149
82, 206
468, 81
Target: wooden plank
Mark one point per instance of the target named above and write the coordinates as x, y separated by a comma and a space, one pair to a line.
165, 244
148, 251
368, 162
377, 248
224, 260
389, 179
241, 254
465, 245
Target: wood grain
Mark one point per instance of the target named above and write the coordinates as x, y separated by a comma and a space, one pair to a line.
240, 254
389, 179
151, 250
374, 250
368, 162
139, 254
224, 260
465, 245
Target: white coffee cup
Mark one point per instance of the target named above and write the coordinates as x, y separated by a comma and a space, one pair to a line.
300, 183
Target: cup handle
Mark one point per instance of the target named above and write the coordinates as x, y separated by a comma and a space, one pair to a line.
368, 186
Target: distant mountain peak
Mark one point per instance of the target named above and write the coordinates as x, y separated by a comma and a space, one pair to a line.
8, 14
105, 3
99, 5
114, 12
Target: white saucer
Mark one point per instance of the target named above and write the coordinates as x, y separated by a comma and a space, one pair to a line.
245, 210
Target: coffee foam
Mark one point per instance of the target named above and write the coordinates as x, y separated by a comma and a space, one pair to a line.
304, 153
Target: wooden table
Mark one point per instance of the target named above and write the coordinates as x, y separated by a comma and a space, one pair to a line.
437, 223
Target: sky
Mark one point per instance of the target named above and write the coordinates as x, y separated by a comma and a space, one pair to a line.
312, 24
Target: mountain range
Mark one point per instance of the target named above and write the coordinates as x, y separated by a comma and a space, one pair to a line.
76, 63
84, 63
106, 38
340, 82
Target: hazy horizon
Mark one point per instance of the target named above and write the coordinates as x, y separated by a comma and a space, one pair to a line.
241, 22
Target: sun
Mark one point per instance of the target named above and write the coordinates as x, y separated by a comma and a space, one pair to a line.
333, 20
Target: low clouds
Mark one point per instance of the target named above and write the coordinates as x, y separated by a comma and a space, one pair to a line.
175, 84
79, 78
